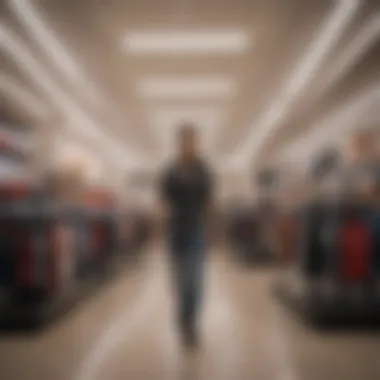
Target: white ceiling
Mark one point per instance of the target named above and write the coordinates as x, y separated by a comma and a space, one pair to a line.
254, 75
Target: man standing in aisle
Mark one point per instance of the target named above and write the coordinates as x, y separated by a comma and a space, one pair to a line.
187, 193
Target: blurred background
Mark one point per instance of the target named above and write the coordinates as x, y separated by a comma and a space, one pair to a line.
286, 97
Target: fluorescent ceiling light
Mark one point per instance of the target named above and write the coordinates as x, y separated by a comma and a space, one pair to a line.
186, 42
187, 87
45, 37
171, 121
304, 72
172, 116
27, 100
77, 119
337, 124
362, 42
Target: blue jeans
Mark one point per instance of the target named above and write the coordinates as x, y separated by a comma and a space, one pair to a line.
188, 257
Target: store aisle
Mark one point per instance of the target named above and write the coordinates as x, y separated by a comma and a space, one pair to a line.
126, 332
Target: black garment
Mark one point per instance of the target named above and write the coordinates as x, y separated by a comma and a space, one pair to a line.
187, 191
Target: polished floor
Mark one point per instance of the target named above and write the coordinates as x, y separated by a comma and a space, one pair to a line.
125, 332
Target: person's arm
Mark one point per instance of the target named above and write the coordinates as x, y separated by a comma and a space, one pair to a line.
209, 191
165, 194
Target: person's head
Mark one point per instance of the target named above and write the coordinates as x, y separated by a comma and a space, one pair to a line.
187, 141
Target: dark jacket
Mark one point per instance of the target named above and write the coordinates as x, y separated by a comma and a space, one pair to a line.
187, 192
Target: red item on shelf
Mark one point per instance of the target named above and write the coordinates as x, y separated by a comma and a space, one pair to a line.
13, 191
24, 274
355, 243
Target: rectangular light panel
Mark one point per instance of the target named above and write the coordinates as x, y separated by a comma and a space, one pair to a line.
187, 87
169, 117
186, 42
22, 96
